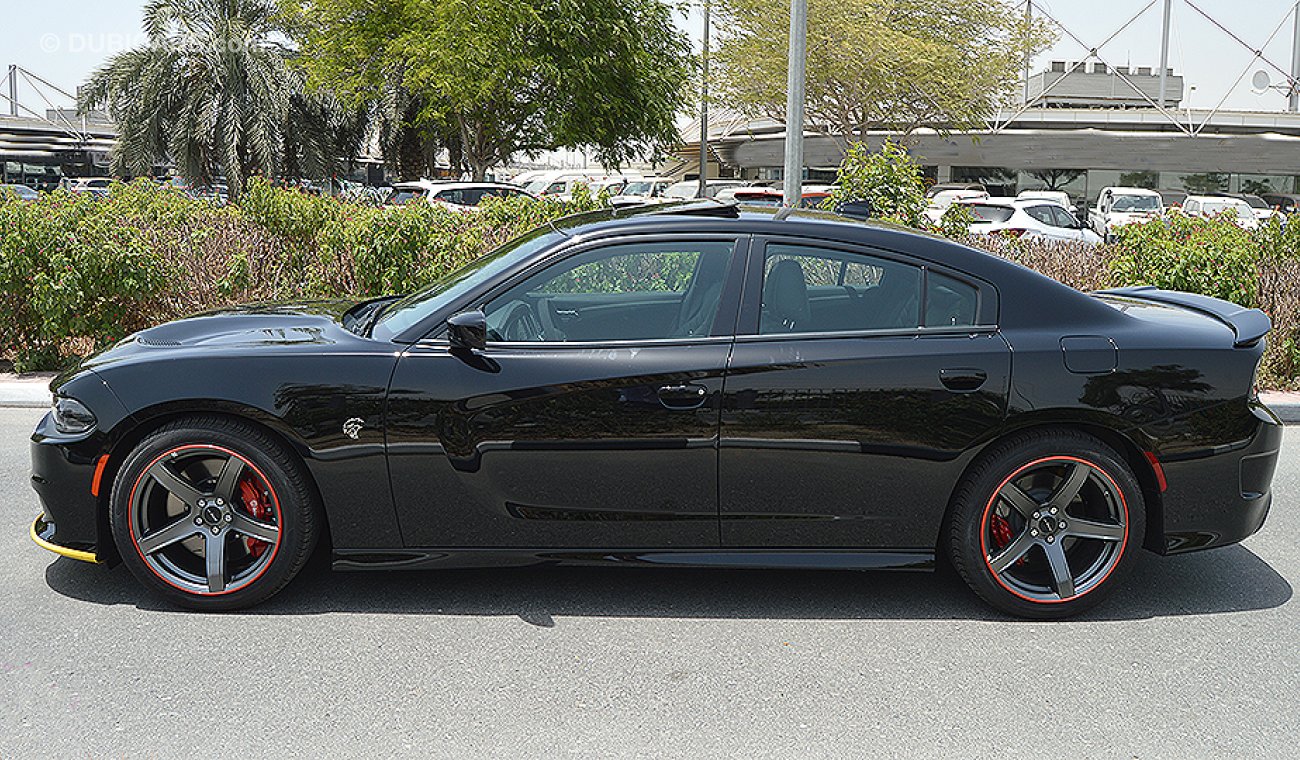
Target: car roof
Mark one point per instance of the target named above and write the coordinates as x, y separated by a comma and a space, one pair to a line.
1217, 198
1008, 201
1131, 191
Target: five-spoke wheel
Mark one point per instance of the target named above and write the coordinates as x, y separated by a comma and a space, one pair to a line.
213, 513
1043, 523
204, 519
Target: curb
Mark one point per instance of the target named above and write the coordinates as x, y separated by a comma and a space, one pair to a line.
26, 391
33, 392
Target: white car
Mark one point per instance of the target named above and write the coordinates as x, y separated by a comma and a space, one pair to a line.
940, 201
459, 196
1237, 210
690, 189
1120, 206
1031, 218
1059, 197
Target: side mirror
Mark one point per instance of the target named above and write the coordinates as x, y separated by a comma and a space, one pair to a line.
468, 329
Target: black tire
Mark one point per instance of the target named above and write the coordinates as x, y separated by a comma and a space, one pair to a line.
1017, 530
213, 514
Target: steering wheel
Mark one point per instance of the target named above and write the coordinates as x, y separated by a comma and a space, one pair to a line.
520, 324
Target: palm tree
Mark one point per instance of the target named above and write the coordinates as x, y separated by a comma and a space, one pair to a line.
214, 92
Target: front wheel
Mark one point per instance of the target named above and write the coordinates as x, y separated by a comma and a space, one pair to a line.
1045, 525
213, 514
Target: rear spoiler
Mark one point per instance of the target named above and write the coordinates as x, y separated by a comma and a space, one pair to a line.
1249, 325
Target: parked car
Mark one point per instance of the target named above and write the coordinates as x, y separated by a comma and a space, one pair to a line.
689, 189
1120, 206
647, 188
975, 187
939, 202
1030, 218
1284, 202
673, 386
1260, 207
1173, 198
457, 195
558, 183
22, 192
1235, 209
771, 196
94, 186
1059, 197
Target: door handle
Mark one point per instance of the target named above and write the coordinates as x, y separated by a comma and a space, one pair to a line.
962, 380
686, 396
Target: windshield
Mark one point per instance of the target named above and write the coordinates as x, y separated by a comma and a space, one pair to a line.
987, 214
685, 190
1240, 208
1256, 202
410, 310
639, 188
1128, 203
402, 196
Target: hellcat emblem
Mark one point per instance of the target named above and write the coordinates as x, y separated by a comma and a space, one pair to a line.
353, 427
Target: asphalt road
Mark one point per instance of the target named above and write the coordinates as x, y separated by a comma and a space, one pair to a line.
1196, 657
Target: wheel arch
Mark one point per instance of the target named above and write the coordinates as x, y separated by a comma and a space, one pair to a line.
1112, 436
143, 423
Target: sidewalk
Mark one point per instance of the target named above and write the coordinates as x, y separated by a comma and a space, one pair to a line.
33, 391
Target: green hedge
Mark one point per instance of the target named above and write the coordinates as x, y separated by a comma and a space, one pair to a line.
78, 273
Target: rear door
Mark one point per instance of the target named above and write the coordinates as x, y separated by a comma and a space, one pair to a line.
853, 400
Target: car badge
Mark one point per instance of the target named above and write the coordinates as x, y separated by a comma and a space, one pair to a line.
353, 427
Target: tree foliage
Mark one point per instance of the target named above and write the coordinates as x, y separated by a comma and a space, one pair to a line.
889, 178
508, 76
879, 64
213, 92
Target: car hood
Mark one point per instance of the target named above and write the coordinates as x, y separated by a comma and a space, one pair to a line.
255, 327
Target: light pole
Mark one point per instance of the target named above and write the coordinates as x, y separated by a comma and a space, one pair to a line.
794, 101
704, 109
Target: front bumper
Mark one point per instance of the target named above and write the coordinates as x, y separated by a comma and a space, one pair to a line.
42, 532
64, 478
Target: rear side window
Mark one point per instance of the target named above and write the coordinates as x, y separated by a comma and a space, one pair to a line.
984, 212
807, 289
1041, 214
949, 302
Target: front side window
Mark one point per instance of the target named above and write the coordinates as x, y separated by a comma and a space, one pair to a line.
634, 291
809, 289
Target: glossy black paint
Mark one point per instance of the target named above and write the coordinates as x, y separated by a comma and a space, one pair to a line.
733, 448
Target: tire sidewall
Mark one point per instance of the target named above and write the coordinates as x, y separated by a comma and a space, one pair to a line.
979, 489
269, 460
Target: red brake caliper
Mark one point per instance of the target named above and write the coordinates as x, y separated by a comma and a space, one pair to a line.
259, 510
1001, 531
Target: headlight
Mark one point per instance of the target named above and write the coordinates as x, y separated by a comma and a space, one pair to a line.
71, 416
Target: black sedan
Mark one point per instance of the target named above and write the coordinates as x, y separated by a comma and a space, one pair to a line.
688, 385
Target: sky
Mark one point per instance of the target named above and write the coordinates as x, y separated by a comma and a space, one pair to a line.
62, 41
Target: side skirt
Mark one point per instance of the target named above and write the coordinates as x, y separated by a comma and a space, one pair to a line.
419, 559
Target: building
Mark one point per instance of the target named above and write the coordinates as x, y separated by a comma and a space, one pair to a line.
1083, 130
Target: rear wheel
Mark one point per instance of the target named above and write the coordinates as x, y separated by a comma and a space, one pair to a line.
1046, 524
213, 514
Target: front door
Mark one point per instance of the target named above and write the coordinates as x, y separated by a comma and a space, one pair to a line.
591, 419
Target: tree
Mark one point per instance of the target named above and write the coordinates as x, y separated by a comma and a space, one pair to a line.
1055, 179
213, 92
1209, 182
508, 76
879, 64
1149, 180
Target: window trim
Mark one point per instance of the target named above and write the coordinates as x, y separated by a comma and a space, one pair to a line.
987, 307
728, 300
